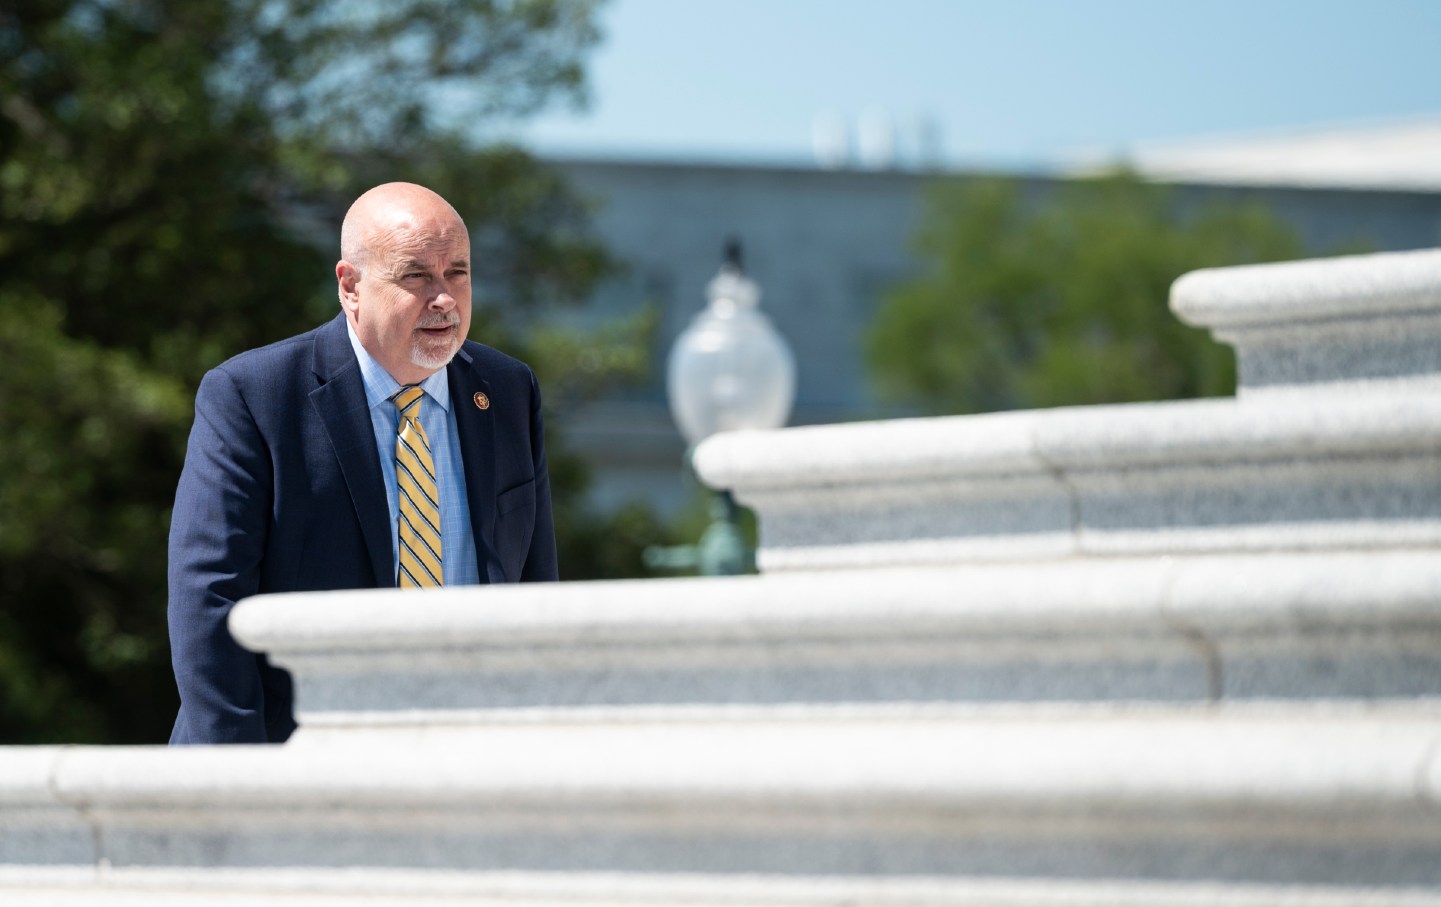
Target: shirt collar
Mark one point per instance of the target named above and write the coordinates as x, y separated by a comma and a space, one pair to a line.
380, 386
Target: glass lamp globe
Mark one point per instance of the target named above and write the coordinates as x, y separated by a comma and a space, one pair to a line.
730, 369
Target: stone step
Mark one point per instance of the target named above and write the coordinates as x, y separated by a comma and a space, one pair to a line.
1323, 471
1325, 794
1324, 323
1188, 629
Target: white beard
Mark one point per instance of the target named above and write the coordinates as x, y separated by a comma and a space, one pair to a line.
432, 356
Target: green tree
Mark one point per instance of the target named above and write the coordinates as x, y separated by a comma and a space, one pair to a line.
171, 176
1060, 300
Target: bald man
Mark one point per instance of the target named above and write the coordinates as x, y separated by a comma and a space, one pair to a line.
325, 462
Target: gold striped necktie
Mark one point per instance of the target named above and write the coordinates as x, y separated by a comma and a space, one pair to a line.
419, 525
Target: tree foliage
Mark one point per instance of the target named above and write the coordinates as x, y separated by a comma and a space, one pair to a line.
1061, 300
172, 175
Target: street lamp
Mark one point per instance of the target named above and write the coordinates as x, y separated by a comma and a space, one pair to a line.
728, 370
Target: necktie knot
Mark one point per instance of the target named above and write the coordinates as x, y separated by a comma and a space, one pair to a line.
407, 400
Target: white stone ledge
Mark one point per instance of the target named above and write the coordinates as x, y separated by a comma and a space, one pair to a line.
1324, 288
1273, 473
988, 445
1036, 445
25, 770
32, 887
1340, 796
1172, 629
1319, 758
1356, 318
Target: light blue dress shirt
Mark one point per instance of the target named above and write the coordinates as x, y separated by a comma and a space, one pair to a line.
437, 420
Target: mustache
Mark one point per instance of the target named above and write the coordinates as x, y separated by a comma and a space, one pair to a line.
451, 320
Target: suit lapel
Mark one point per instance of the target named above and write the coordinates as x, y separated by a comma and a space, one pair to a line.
477, 452
340, 403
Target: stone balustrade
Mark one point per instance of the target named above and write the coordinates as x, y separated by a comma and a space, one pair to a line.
1256, 794
1182, 629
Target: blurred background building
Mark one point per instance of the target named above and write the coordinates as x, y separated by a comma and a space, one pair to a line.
827, 242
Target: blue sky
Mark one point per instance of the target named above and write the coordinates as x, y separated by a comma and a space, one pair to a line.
1022, 83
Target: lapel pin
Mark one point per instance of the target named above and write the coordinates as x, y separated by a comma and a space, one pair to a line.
481, 401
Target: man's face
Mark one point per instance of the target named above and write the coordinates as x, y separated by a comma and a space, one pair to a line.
410, 305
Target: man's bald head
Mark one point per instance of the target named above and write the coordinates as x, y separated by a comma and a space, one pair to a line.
380, 211
404, 278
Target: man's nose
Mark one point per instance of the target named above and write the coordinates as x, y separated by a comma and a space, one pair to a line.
442, 299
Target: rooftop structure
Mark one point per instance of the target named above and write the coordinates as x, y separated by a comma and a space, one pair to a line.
1389, 156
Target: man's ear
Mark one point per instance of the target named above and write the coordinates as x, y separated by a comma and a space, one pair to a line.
347, 280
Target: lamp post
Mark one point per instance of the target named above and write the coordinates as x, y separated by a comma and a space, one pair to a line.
728, 370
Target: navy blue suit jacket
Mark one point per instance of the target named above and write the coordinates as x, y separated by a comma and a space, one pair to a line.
282, 492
